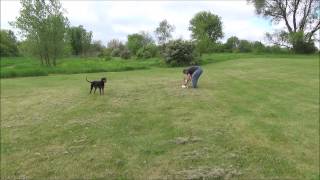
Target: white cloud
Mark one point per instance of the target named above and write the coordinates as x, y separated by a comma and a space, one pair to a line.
80, 11
117, 19
9, 11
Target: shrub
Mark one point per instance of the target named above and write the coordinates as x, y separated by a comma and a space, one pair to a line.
105, 54
232, 44
180, 52
202, 46
245, 46
147, 51
107, 58
102, 53
114, 44
125, 53
142, 53
217, 47
137, 41
300, 43
258, 47
8, 43
276, 49
23, 72
116, 52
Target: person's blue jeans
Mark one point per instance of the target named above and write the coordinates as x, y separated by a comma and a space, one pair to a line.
195, 77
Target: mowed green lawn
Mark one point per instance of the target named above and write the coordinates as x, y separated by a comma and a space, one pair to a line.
249, 119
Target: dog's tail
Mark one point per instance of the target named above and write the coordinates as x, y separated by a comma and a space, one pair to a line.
88, 80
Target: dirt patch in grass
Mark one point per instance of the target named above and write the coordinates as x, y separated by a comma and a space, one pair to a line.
196, 154
207, 173
186, 140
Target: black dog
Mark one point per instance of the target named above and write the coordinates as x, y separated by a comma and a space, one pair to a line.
97, 84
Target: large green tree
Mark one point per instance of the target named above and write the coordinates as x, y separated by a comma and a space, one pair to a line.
43, 24
96, 48
245, 46
79, 39
258, 47
114, 47
301, 19
232, 43
206, 29
114, 44
8, 43
180, 53
163, 32
137, 41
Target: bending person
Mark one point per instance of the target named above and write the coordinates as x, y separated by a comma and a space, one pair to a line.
193, 74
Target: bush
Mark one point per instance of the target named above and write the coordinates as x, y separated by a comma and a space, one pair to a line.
107, 58
180, 52
114, 44
245, 46
300, 44
137, 41
147, 51
232, 44
23, 72
218, 47
125, 53
116, 52
105, 54
203, 46
8, 43
276, 49
258, 47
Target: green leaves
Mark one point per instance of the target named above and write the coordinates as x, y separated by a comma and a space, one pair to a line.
206, 29
137, 41
8, 43
163, 32
180, 52
44, 25
79, 40
206, 25
299, 17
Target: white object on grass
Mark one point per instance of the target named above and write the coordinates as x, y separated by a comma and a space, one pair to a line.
183, 86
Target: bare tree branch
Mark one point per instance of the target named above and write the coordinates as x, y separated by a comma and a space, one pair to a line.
300, 17
311, 33
295, 8
281, 44
283, 9
306, 13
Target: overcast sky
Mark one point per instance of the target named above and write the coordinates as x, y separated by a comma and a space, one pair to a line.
117, 19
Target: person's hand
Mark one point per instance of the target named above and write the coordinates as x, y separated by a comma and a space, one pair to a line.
185, 80
189, 77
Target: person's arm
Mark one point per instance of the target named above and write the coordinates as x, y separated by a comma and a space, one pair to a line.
187, 79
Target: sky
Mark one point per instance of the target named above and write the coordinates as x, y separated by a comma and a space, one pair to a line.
116, 19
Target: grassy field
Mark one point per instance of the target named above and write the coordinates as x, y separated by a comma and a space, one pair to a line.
250, 118
23, 67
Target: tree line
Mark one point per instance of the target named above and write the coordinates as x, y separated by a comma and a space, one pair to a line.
48, 35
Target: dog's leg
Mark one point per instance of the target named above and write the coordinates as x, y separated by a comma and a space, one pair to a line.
91, 88
95, 88
100, 90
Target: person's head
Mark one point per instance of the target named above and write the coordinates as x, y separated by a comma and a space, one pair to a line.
185, 71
